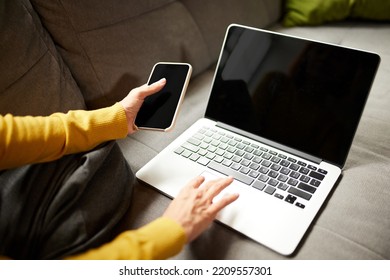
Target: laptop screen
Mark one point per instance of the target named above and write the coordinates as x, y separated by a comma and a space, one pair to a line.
306, 95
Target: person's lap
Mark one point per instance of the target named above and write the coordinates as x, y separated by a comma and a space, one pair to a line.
56, 209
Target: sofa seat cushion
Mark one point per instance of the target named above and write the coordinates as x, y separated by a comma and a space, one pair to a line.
34, 79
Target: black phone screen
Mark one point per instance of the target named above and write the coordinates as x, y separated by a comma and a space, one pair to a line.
159, 110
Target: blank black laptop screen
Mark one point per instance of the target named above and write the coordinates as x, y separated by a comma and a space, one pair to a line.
302, 94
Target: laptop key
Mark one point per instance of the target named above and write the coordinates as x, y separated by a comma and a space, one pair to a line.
290, 199
314, 183
304, 170
282, 186
294, 167
259, 185
322, 171
210, 155
312, 167
277, 195
292, 182
190, 147
179, 150
304, 179
194, 141
284, 163
285, 171
282, 178
292, 159
256, 159
273, 182
266, 163
299, 193
270, 190
273, 174
317, 175
294, 175
263, 178
186, 154
275, 159
244, 170
253, 174
236, 159
248, 156
263, 170
254, 166
218, 159
266, 156
275, 167
230, 172
235, 166
306, 187
194, 157
203, 161
300, 205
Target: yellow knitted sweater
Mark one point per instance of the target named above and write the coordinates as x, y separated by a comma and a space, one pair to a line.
25, 140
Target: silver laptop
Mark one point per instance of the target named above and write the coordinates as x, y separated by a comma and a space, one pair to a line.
281, 117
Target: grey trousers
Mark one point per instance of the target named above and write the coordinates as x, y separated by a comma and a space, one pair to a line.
56, 209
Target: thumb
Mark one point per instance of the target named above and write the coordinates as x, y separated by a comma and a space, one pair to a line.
146, 90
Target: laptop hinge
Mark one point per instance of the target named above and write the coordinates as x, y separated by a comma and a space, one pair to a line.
270, 143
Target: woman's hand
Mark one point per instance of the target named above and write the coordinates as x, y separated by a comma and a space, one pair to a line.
194, 208
133, 101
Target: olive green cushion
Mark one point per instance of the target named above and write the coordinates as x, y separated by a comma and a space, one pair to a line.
315, 12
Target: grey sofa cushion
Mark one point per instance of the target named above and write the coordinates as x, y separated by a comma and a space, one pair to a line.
113, 48
34, 79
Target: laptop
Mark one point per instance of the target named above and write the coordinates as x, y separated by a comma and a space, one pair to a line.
280, 119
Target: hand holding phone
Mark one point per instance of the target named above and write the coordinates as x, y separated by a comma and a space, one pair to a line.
159, 111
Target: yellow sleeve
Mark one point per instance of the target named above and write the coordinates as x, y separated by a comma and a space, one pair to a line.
25, 140
161, 239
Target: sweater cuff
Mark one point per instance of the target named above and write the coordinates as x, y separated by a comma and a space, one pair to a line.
160, 239
110, 123
167, 235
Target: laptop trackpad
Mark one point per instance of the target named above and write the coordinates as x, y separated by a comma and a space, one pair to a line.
210, 176
232, 188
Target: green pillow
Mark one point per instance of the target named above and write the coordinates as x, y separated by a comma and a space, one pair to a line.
314, 12
371, 9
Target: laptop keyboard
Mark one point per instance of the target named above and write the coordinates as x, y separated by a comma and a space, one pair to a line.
273, 173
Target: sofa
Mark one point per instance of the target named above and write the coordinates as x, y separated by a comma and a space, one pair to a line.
60, 55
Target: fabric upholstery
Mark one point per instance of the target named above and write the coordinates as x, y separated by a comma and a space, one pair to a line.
34, 79
109, 56
110, 49
213, 17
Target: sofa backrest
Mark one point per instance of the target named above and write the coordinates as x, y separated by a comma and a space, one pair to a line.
34, 80
111, 46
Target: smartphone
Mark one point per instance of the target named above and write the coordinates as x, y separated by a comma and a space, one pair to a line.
159, 110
